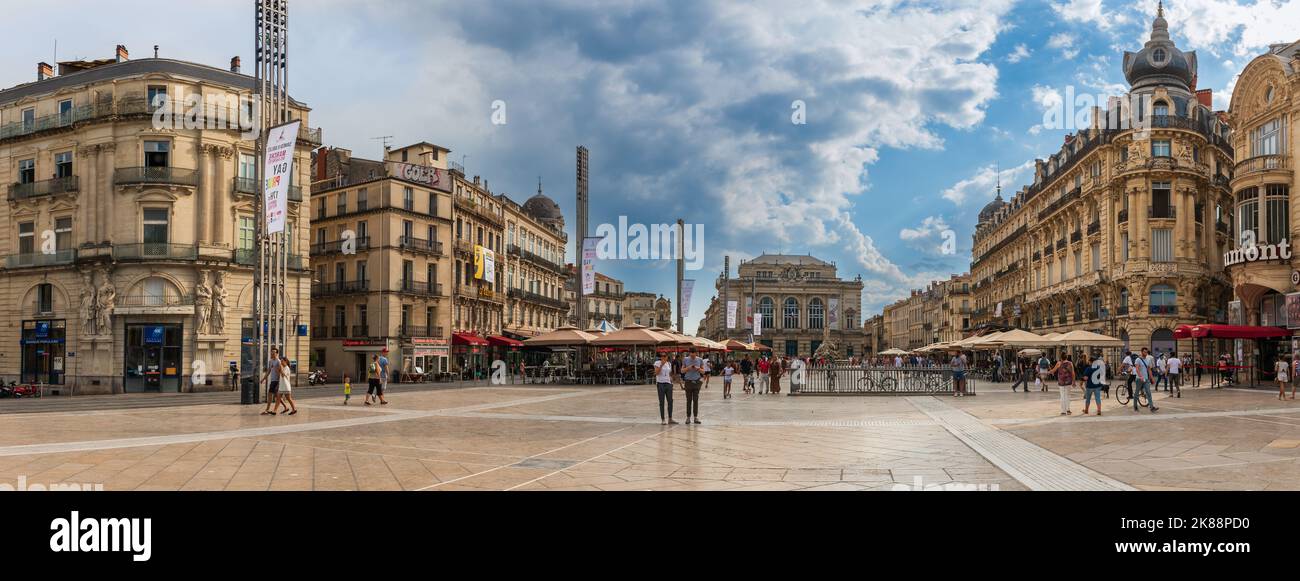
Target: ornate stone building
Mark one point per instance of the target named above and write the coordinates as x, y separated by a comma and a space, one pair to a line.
1123, 230
648, 309
799, 298
534, 266
1265, 113
605, 304
128, 229
939, 312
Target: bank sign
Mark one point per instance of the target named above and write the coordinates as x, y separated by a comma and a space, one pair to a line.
1251, 252
432, 177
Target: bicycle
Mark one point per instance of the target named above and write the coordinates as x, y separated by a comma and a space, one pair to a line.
1123, 395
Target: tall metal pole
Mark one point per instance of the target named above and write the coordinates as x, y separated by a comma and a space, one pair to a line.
271, 91
726, 282
580, 237
681, 272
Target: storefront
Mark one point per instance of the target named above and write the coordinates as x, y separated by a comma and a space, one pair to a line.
506, 349
427, 354
469, 352
360, 351
153, 357
43, 344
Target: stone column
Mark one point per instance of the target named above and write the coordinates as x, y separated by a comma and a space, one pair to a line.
107, 161
201, 197
89, 194
221, 196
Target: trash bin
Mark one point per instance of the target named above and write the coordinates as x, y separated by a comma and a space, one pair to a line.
248, 393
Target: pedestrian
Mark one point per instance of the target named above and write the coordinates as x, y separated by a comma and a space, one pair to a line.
1044, 371
727, 372
1064, 372
1094, 383
1162, 372
1225, 376
1023, 374
958, 364
1079, 370
375, 388
383, 374
286, 386
764, 375
775, 373
271, 377
997, 368
707, 372
664, 385
347, 388
1143, 366
1130, 372
747, 370
1175, 375
1280, 368
692, 367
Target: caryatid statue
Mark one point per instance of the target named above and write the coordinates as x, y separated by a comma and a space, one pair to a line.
202, 302
219, 298
88, 309
104, 301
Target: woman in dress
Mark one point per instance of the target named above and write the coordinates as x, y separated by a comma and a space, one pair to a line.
775, 373
1281, 367
286, 390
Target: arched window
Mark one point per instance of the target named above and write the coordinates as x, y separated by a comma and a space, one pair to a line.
791, 318
1162, 341
767, 308
816, 314
1164, 300
1161, 109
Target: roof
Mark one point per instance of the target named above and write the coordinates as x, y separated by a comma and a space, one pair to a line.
795, 259
130, 68
1286, 53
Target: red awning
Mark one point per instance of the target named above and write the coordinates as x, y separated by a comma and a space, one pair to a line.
1229, 332
500, 341
467, 339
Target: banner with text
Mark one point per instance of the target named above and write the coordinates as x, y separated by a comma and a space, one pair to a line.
688, 286
731, 314
589, 265
278, 168
833, 317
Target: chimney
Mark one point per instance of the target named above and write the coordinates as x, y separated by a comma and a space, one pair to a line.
1206, 98
122, 54
234, 65
44, 71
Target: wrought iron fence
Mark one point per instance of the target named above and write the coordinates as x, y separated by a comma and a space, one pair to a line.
842, 379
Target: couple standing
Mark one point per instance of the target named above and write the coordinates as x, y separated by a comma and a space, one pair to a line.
691, 374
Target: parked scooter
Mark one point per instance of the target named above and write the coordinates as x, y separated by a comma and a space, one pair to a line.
318, 377
7, 391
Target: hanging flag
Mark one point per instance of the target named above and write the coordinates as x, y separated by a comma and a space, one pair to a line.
731, 314
833, 317
758, 326
589, 265
277, 171
688, 286
749, 312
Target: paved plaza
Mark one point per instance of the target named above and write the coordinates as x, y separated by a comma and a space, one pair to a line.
609, 438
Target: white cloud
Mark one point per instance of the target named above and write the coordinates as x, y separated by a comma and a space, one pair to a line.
1089, 11
981, 187
930, 226
1229, 27
1046, 98
1021, 52
1064, 42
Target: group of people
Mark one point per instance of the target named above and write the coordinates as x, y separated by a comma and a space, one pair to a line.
279, 388
1143, 373
693, 373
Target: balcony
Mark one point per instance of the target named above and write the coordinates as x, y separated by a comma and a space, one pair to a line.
328, 289
320, 332
1123, 216
467, 204
1159, 212
1262, 163
418, 245
1221, 228
534, 258
463, 247
248, 187
416, 287
58, 258
155, 251
1094, 228
336, 247
166, 176
607, 295
1076, 236
310, 135
43, 188
1058, 204
1060, 244
1164, 309
339, 332
412, 331
248, 257
532, 297
360, 330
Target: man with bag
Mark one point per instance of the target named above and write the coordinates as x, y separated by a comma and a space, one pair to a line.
1142, 366
1064, 372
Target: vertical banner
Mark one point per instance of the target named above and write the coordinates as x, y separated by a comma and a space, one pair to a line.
731, 314
589, 265
998, 312
688, 286
749, 312
758, 326
833, 316
280, 142
489, 266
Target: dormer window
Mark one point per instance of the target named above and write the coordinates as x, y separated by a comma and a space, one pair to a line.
1161, 109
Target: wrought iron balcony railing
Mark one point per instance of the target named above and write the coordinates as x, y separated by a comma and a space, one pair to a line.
156, 175
418, 287
155, 251
58, 258
44, 188
325, 289
419, 245
319, 249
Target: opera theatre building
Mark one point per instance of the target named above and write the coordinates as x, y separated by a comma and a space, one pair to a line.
1262, 263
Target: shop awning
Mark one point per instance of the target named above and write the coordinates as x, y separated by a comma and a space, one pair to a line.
468, 339
501, 341
1229, 332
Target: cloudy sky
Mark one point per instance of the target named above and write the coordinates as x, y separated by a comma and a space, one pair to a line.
686, 105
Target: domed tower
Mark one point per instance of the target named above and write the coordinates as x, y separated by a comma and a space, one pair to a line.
1161, 64
544, 210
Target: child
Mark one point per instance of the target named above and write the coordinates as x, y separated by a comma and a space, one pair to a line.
727, 372
347, 389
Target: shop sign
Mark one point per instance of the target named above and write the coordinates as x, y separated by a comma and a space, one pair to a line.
359, 343
1249, 251
428, 341
153, 335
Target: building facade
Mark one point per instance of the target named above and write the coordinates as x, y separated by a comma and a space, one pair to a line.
800, 300
1264, 114
380, 249
648, 309
533, 269
1123, 230
604, 304
129, 234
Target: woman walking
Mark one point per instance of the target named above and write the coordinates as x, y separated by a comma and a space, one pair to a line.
775, 371
1064, 372
286, 389
727, 372
1281, 367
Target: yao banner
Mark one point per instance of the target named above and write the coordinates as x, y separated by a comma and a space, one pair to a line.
278, 164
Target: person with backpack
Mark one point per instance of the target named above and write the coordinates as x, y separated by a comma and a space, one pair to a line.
1142, 373
1044, 371
1064, 373
1094, 378
747, 370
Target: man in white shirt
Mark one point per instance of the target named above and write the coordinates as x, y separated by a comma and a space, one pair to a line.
1144, 370
797, 374
898, 361
1175, 366
664, 383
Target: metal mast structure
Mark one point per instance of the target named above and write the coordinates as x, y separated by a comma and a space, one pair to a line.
580, 235
271, 92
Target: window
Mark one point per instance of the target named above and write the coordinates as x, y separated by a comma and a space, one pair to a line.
26, 171
1123, 246
1078, 263
1160, 148
1123, 301
816, 314
1248, 211
408, 231
433, 204
63, 233
408, 199
247, 232
320, 210
45, 298
247, 167
1164, 300
1162, 245
156, 229
343, 203
1161, 109
767, 308
1095, 251
1267, 138
362, 201
27, 238
29, 119
791, 318
1276, 206
157, 154
157, 97
155, 292
1161, 196
63, 164
341, 272
362, 274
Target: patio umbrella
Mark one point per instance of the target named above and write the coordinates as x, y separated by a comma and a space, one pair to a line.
633, 336
759, 347
1088, 339
734, 345
1029, 352
1020, 338
979, 342
893, 351
561, 337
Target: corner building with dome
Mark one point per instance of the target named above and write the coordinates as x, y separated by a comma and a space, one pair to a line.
1123, 230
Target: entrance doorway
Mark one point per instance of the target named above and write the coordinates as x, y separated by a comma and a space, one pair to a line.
1162, 341
153, 358
43, 345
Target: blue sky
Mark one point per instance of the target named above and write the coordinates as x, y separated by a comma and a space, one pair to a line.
686, 105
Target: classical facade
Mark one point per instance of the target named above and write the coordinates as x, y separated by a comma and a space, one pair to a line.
533, 269
801, 301
380, 248
605, 304
648, 309
128, 233
1265, 112
939, 312
874, 328
1123, 230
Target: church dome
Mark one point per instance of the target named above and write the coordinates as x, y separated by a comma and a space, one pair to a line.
1160, 62
543, 209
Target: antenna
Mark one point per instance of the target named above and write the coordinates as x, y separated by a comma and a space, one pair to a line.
385, 139
999, 179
